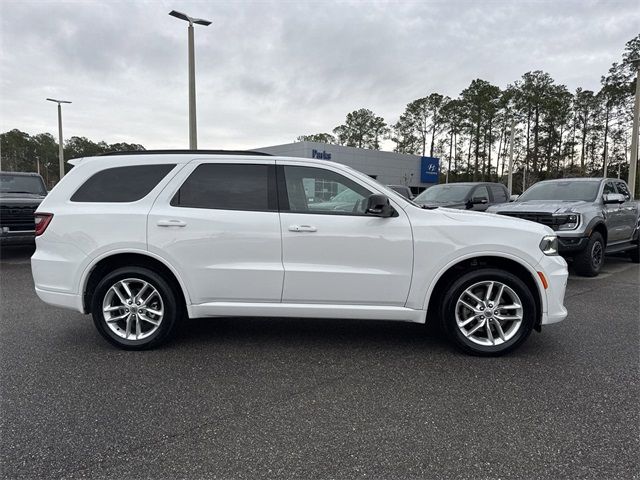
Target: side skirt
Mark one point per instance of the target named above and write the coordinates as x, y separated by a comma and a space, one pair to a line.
620, 247
306, 310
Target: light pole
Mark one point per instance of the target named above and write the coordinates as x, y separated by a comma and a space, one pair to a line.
193, 134
60, 144
512, 139
634, 131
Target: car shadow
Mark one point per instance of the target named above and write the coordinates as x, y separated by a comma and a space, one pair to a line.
315, 330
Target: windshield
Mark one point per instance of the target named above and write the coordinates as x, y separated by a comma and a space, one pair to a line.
444, 193
21, 184
563, 191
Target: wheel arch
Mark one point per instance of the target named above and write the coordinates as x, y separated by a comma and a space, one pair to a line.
113, 260
597, 225
448, 275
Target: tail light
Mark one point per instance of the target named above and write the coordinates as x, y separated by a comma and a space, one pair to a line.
42, 222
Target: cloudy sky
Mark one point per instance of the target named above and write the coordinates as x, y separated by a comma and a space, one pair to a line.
269, 71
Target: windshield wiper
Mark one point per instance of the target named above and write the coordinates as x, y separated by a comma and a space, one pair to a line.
429, 207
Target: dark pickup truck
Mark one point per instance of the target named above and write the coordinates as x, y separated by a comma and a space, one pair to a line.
20, 195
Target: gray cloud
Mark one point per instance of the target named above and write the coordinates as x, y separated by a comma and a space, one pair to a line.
269, 71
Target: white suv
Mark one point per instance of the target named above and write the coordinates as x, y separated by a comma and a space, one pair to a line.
140, 240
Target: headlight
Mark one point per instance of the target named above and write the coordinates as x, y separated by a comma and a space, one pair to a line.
549, 245
570, 222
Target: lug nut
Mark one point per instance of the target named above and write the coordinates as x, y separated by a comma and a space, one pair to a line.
481, 317
490, 305
481, 308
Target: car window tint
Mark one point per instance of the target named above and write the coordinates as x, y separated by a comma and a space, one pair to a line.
121, 184
499, 194
481, 192
608, 188
228, 187
316, 190
622, 188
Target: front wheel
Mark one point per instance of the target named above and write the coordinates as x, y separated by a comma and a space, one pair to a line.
134, 308
488, 312
589, 261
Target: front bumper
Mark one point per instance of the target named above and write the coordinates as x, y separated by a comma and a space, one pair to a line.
569, 245
17, 237
555, 270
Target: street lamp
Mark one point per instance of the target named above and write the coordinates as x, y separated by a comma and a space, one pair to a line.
193, 135
60, 145
634, 131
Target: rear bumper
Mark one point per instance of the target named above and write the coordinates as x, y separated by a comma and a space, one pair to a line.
58, 299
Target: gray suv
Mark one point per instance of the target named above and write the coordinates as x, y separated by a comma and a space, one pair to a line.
591, 216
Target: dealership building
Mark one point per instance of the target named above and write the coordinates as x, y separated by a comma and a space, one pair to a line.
389, 168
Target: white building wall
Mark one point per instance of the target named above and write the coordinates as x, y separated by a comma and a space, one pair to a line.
387, 167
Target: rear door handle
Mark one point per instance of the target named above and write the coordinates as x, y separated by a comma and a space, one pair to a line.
302, 228
171, 223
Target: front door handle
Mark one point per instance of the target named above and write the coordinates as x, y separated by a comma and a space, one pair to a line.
171, 223
302, 228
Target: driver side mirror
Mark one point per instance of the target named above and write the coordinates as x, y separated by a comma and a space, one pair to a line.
379, 206
513, 198
608, 198
477, 200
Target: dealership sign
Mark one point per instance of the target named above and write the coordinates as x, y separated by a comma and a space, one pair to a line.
429, 169
322, 155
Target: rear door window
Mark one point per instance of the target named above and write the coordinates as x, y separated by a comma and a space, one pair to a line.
229, 186
121, 184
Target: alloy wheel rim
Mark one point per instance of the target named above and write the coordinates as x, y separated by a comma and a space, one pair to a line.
133, 309
596, 254
489, 313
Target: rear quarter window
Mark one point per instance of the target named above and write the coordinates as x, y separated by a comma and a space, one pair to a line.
121, 184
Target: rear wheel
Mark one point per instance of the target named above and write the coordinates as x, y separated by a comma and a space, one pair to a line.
134, 308
589, 261
488, 312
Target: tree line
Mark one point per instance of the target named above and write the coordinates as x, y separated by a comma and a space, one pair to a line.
556, 132
21, 152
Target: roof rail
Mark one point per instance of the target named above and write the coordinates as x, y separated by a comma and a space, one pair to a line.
177, 152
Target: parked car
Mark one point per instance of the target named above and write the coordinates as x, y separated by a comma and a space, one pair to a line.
140, 240
20, 195
591, 216
464, 195
402, 190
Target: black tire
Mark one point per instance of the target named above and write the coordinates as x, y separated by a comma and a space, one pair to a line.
635, 253
456, 289
172, 308
586, 263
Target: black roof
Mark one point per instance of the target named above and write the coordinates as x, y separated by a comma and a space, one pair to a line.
178, 152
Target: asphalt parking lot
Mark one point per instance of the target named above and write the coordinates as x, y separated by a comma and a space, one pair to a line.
283, 398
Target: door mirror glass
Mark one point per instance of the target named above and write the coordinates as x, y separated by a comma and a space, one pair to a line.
379, 206
608, 198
